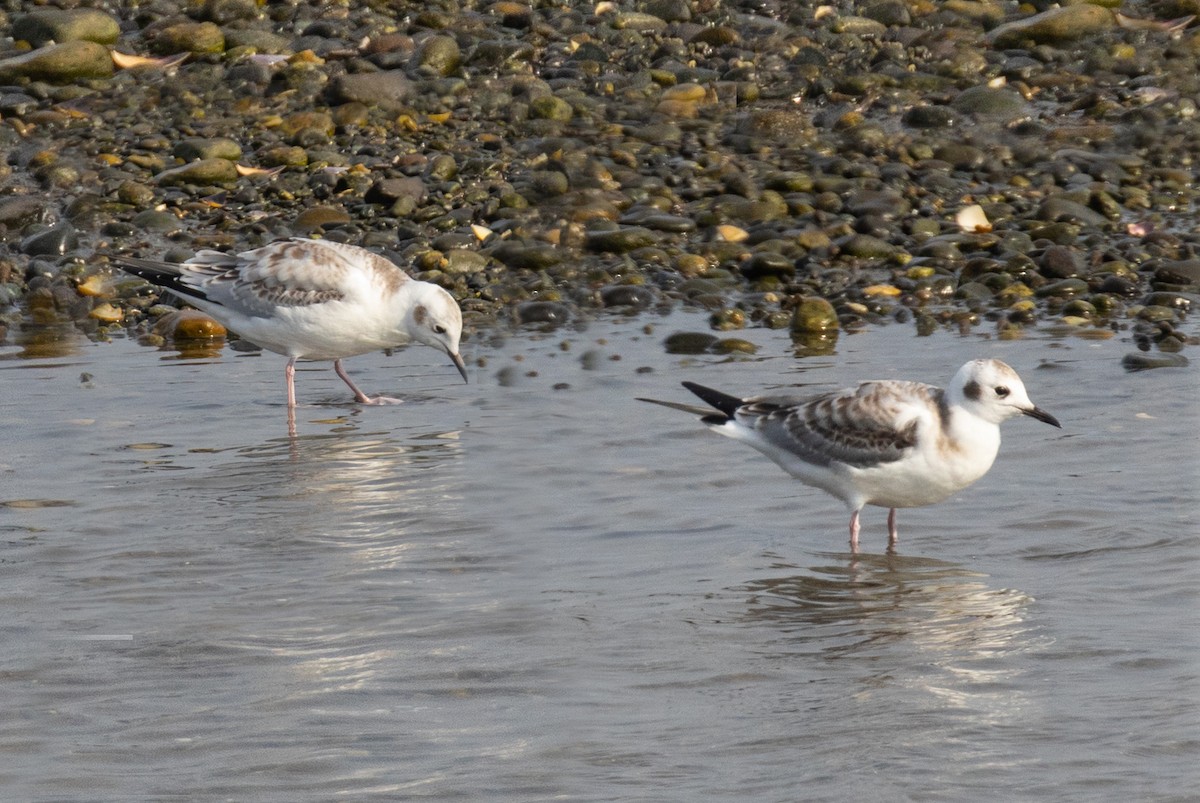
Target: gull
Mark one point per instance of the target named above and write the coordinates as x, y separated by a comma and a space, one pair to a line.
889, 443
313, 299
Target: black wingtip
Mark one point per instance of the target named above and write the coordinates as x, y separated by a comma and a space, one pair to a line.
721, 401
162, 274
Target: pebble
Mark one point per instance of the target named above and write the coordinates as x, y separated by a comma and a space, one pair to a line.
201, 171
734, 345
59, 63
626, 295
1142, 361
1055, 26
543, 312
814, 315
107, 313
386, 89
54, 241
689, 342
45, 25
188, 324
187, 37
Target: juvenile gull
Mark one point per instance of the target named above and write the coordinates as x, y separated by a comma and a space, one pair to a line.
888, 443
312, 299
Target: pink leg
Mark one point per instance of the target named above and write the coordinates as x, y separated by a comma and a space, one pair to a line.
290, 373
359, 396
854, 531
893, 536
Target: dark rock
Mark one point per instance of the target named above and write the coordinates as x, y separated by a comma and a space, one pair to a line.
1183, 272
390, 190
386, 89
19, 210
768, 264
52, 242
1057, 25
1063, 209
1060, 262
627, 295
991, 103
620, 241
47, 25
931, 117
210, 148
187, 37
59, 64
543, 312
1142, 361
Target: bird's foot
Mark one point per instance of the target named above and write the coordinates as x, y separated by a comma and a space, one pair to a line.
380, 400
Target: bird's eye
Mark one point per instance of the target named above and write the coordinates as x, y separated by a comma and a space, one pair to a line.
1002, 391
438, 329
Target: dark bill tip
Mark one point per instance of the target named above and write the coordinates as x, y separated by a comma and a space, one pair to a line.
461, 366
1042, 415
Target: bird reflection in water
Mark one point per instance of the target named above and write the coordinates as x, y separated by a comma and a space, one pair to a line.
903, 626
843, 608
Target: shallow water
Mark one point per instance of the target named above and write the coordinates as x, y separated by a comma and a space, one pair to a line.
515, 592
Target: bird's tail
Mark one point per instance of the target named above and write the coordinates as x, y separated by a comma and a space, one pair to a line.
723, 402
163, 274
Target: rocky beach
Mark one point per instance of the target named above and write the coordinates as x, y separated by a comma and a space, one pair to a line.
820, 168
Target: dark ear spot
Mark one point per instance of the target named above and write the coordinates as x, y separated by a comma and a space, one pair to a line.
420, 314
972, 390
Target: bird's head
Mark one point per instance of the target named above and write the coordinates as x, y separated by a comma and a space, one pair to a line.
991, 390
436, 320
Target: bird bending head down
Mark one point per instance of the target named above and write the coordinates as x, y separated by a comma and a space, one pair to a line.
313, 299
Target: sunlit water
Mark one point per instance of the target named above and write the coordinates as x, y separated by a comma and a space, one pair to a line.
543, 589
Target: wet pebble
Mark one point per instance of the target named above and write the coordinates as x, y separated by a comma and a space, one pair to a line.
995, 103
54, 241
622, 240
386, 88
1065, 288
197, 148
188, 324
764, 264
627, 295
203, 171
814, 315
59, 63
734, 345
1142, 361
689, 342
1182, 272
187, 37
1065, 209
1060, 262
543, 312
45, 25
1055, 26
18, 211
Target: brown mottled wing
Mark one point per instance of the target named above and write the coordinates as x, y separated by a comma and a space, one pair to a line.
289, 273
870, 425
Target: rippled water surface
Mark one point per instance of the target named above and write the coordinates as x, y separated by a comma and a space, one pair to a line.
543, 589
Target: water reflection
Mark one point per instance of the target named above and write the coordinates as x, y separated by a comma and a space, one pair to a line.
42, 341
320, 514
921, 627
359, 482
871, 601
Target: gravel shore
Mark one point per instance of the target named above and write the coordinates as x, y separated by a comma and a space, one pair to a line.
820, 168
